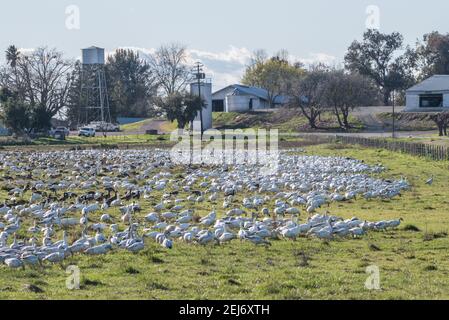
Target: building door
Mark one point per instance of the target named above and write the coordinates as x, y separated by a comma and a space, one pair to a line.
251, 104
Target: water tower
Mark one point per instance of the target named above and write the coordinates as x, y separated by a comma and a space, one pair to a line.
94, 91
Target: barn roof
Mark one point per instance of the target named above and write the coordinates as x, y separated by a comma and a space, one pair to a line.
435, 83
253, 91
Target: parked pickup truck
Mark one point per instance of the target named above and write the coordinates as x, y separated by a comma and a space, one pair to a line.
104, 126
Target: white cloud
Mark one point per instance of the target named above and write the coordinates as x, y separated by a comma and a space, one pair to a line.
319, 58
26, 51
227, 67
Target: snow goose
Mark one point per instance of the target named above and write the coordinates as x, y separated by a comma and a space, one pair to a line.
255, 239
152, 217
106, 218
205, 238
136, 247
14, 263
393, 224
357, 232
56, 257
99, 250
167, 243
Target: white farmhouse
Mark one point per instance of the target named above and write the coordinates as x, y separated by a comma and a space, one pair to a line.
240, 98
431, 95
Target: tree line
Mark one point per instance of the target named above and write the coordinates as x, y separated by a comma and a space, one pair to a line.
374, 68
36, 86
39, 85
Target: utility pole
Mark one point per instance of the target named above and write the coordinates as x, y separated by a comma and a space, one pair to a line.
199, 74
394, 116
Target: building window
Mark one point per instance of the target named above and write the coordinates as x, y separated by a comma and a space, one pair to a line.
218, 105
431, 101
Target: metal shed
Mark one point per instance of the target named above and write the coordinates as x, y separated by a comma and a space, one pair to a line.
431, 95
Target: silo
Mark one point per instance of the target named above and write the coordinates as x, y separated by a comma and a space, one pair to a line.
206, 94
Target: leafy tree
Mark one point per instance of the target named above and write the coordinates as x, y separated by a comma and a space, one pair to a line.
274, 75
14, 113
376, 57
433, 54
12, 56
41, 79
132, 84
181, 106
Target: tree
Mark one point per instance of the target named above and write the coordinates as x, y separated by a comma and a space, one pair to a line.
346, 91
274, 75
132, 84
74, 97
181, 106
433, 54
308, 94
12, 56
169, 64
442, 121
375, 57
14, 113
42, 80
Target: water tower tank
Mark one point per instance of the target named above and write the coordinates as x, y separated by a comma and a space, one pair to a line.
93, 55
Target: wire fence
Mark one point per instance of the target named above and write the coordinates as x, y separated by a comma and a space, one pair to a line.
434, 152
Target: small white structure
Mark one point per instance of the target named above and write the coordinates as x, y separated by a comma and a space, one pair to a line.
206, 94
240, 98
431, 95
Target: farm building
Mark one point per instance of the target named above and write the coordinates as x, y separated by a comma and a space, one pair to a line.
431, 95
240, 98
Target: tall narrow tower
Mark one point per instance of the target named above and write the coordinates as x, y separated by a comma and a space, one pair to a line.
94, 91
203, 88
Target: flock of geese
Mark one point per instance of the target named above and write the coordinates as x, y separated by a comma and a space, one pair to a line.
64, 203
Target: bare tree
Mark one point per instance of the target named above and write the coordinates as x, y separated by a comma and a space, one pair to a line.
308, 94
346, 91
170, 68
41, 79
442, 121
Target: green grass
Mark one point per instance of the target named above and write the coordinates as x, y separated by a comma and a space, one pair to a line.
136, 126
285, 120
414, 264
166, 126
408, 121
126, 139
433, 139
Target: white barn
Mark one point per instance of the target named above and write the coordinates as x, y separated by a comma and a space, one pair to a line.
431, 95
240, 98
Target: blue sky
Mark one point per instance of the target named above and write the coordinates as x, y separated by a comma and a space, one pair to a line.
221, 33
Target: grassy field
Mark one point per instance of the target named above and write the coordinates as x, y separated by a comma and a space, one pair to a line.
408, 121
126, 139
431, 139
285, 120
413, 264
166, 126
